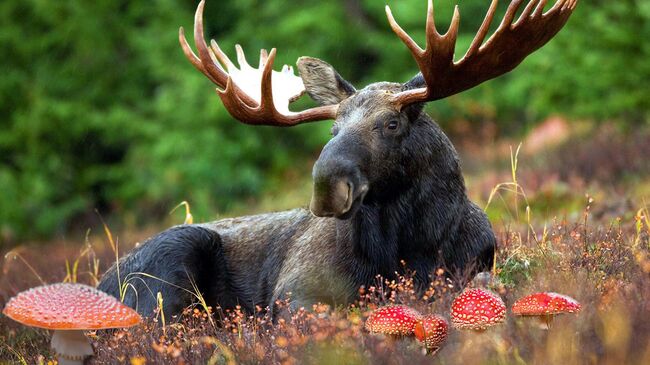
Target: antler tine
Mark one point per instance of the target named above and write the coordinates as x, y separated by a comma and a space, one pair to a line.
408, 41
241, 58
214, 59
564, 4
221, 56
510, 15
264, 55
202, 48
267, 81
540, 8
570, 5
452, 34
187, 50
483, 31
431, 31
528, 10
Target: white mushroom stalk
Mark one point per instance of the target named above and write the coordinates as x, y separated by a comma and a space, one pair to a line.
71, 347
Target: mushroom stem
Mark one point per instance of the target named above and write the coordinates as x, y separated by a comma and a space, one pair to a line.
545, 321
71, 347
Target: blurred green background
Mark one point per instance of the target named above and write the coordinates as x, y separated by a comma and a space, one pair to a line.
101, 111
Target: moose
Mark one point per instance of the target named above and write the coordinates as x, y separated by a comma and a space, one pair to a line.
388, 193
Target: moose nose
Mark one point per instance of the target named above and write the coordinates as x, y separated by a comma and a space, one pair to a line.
338, 185
331, 199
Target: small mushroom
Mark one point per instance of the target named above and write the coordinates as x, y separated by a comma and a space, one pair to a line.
397, 320
432, 331
544, 306
477, 309
69, 309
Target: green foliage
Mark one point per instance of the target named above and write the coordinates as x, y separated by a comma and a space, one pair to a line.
100, 110
516, 270
596, 68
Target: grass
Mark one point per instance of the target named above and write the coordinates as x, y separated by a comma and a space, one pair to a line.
592, 243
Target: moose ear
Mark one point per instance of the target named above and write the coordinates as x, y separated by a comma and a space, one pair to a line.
413, 111
322, 82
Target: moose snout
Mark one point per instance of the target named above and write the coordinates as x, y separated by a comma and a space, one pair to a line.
338, 189
331, 199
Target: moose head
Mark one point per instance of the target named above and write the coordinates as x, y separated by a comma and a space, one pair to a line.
380, 131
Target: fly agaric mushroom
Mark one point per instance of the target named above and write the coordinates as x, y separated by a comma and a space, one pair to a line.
397, 320
544, 306
477, 309
432, 331
69, 309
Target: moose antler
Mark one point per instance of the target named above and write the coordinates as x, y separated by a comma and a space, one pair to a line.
254, 96
501, 53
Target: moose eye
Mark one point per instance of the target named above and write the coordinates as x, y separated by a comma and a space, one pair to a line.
392, 125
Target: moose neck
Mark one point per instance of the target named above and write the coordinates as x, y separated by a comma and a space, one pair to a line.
421, 214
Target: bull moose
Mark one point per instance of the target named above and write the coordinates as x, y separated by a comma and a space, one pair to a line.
387, 187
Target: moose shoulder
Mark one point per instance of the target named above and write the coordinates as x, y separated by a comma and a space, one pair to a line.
387, 187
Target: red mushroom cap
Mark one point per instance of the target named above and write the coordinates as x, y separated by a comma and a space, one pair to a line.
67, 306
393, 320
540, 304
477, 309
432, 331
